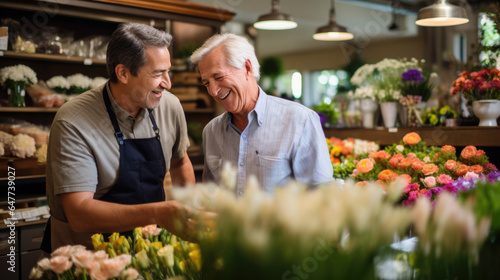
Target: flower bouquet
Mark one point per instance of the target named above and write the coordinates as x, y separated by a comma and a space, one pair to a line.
59, 84
481, 85
15, 79
437, 116
151, 253
344, 152
78, 83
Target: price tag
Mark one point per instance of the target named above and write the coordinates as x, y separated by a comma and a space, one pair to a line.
393, 130
87, 61
1, 53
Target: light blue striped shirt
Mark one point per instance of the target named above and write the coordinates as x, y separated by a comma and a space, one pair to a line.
283, 141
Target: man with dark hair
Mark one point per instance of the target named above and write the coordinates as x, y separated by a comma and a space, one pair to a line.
110, 147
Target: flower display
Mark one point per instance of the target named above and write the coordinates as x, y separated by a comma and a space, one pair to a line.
343, 152
415, 83
58, 84
484, 84
150, 253
17, 74
437, 116
383, 78
78, 83
427, 170
97, 82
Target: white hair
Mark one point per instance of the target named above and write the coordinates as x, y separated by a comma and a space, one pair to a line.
236, 48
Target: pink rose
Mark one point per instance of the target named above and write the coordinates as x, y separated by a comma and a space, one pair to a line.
60, 264
130, 273
113, 267
429, 169
83, 259
430, 181
355, 172
450, 165
62, 251
151, 230
471, 175
444, 179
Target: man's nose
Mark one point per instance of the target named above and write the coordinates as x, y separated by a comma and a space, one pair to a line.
165, 83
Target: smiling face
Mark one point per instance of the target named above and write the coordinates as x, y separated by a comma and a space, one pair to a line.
234, 89
145, 89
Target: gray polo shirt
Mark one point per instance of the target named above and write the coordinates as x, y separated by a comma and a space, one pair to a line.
83, 153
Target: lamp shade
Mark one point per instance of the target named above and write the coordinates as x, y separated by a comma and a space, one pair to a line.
332, 31
275, 20
441, 14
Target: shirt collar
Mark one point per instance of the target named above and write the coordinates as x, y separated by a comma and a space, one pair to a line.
259, 111
121, 113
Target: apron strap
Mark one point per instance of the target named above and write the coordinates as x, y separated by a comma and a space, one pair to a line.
155, 127
112, 116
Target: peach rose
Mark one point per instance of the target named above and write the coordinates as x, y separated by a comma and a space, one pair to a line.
405, 163
60, 264
430, 181
380, 155
113, 267
448, 149
405, 178
450, 165
480, 153
411, 138
362, 184
365, 165
152, 230
62, 251
83, 259
417, 165
468, 152
100, 256
478, 169
387, 175
411, 155
461, 170
436, 156
429, 169
444, 179
470, 175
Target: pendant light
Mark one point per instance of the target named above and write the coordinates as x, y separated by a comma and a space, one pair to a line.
332, 31
441, 14
275, 20
394, 21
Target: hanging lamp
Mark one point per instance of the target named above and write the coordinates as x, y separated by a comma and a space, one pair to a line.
441, 14
275, 20
332, 31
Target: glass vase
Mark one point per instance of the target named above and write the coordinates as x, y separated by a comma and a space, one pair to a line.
16, 95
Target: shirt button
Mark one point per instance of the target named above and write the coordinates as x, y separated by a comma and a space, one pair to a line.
244, 136
242, 163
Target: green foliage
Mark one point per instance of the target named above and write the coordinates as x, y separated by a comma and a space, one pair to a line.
329, 109
186, 50
272, 66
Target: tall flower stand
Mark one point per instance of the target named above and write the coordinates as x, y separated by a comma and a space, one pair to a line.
368, 108
487, 111
389, 113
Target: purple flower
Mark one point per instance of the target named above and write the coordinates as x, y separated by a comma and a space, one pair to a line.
437, 190
492, 176
322, 118
413, 75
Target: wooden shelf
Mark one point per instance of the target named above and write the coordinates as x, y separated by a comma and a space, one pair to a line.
434, 136
53, 57
28, 110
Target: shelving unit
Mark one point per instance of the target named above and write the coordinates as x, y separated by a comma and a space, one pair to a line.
53, 58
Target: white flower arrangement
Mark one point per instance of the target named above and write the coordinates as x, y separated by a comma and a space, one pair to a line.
385, 77
78, 83
21, 74
58, 84
98, 81
364, 92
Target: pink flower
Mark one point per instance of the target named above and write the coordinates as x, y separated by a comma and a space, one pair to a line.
151, 230
83, 259
444, 179
450, 165
355, 172
113, 267
100, 256
60, 264
430, 181
471, 175
429, 169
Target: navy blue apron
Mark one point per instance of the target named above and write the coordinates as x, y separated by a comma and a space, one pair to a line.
141, 172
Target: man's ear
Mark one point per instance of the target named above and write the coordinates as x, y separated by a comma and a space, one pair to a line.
122, 73
248, 68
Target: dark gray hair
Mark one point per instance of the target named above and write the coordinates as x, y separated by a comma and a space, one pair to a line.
128, 45
236, 48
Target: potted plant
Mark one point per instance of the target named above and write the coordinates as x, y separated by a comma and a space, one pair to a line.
272, 67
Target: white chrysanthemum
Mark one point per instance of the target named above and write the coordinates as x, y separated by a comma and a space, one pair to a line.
98, 81
58, 82
79, 80
18, 73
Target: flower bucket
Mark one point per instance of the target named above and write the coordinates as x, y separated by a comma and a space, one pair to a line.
16, 95
368, 108
389, 113
487, 111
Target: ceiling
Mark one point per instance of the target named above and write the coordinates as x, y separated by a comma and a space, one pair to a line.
368, 20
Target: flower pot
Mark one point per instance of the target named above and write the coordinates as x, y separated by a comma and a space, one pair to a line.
16, 95
368, 108
389, 113
487, 111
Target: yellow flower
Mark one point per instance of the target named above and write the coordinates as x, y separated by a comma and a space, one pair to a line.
113, 238
97, 240
167, 255
195, 256
142, 259
158, 244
